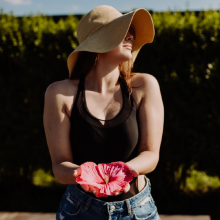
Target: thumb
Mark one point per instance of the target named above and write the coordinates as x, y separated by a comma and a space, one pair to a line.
133, 171
77, 172
85, 187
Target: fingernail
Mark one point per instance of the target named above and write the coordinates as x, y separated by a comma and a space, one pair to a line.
75, 172
94, 191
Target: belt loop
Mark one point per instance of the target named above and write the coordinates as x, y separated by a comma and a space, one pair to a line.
148, 181
109, 214
88, 204
128, 206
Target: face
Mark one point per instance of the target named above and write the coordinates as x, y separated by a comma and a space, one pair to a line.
123, 51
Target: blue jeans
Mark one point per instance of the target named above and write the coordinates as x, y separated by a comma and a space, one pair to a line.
77, 205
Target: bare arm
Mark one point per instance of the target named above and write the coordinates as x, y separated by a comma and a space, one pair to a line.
151, 118
57, 130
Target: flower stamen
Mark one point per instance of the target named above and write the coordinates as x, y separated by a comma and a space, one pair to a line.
106, 178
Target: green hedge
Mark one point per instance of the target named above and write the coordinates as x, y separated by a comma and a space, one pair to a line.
184, 57
33, 53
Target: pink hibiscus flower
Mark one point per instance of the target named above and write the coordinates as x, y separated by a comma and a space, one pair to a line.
108, 178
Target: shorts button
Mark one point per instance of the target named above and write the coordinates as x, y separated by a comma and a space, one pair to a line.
112, 207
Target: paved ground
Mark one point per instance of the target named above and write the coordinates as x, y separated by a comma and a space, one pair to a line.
185, 217
51, 216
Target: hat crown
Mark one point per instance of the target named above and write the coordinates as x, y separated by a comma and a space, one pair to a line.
95, 19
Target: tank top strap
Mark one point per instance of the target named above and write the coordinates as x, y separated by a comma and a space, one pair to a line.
80, 88
118, 119
125, 91
124, 86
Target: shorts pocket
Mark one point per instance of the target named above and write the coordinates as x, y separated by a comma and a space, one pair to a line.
145, 209
70, 206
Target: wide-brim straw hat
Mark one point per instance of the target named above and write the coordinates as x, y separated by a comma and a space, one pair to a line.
104, 28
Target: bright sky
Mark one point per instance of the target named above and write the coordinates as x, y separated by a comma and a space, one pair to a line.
65, 7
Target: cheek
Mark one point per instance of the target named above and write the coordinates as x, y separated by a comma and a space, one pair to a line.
115, 52
119, 52
117, 49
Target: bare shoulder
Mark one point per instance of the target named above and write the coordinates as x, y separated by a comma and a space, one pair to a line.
143, 85
61, 95
64, 87
144, 80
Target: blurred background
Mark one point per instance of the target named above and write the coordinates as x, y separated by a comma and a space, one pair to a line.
36, 38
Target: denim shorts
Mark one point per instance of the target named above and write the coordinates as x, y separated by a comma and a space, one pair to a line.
77, 205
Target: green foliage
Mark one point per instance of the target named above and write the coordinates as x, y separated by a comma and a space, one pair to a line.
184, 57
197, 181
42, 178
33, 53
200, 181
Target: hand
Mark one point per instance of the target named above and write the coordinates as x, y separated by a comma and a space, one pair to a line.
134, 173
96, 191
86, 187
93, 189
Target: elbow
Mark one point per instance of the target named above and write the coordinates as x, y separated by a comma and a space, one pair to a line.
56, 173
154, 163
153, 167
156, 160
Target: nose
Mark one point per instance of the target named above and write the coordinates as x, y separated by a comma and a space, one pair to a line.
129, 36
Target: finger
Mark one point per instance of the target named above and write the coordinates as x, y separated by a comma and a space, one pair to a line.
127, 188
77, 172
91, 188
134, 172
96, 191
85, 187
117, 193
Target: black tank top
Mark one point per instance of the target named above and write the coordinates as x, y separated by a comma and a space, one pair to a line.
116, 140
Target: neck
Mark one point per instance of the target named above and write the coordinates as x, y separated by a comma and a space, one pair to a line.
103, 77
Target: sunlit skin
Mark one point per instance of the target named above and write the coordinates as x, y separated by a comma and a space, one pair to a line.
118, 55
101, 84
104, 75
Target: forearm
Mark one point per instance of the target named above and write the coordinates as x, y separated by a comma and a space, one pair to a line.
145, 162
64, 172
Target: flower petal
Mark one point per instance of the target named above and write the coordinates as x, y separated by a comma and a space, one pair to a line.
89, 174
103, 169
118, 172
124, 168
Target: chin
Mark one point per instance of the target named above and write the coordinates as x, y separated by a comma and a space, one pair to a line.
127, 58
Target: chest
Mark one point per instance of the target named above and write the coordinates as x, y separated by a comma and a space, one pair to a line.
103, 107
116, 139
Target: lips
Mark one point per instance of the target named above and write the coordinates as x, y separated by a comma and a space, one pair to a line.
128, 46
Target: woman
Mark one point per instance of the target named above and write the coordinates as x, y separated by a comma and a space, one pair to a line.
104, 113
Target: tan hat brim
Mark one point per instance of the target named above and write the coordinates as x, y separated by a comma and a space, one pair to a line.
112, 34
